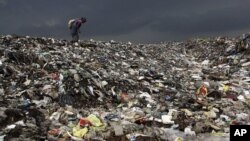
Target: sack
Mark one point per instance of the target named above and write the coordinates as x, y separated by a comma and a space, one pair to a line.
70, 23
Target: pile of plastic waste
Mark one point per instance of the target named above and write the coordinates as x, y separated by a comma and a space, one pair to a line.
94, 90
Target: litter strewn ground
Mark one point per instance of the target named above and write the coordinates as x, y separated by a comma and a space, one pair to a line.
93, 90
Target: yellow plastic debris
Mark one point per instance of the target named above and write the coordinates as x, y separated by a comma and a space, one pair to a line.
225, 88
178, 139
217, 133
94, 120
79, 132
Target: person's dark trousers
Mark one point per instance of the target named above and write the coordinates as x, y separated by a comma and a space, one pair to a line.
74, 34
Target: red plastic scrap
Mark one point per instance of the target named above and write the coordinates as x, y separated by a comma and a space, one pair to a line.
124, 96
54, 132
84, 122
54, 76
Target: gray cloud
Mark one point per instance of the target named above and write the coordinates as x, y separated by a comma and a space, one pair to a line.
3, 2
138, 21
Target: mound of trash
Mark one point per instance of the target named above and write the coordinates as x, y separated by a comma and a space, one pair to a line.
93, 90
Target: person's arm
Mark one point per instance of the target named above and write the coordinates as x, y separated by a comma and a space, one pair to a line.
78, 24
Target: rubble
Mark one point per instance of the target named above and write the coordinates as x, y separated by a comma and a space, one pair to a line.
54, 90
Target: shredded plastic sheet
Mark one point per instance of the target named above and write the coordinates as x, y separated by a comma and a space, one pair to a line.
79, 132
94, 120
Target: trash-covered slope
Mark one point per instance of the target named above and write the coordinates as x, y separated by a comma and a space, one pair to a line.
55, 90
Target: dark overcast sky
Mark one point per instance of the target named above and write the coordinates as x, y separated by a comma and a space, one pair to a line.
144, 21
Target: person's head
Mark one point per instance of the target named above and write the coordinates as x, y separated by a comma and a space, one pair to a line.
83, 19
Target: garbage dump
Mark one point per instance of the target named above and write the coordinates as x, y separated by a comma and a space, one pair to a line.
55, 90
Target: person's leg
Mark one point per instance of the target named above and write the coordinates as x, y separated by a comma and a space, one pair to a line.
74, 33
77, 37
74, 38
